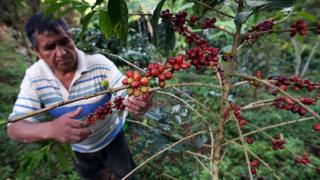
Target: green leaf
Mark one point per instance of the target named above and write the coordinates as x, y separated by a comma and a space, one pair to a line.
242, 17
54, 7
62, 158
118, 14
155, 18
68, 148
186, 6
81, 7
307, 16
165, 40
105, 23
85, 21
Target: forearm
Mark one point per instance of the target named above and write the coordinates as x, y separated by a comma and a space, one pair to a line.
25, 131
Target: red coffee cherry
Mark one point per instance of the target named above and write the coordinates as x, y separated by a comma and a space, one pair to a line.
249, 140
316, 127
130, 74
144, 81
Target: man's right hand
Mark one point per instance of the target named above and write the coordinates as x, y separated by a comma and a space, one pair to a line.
65, 129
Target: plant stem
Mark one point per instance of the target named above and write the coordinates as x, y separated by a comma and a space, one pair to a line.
162, 151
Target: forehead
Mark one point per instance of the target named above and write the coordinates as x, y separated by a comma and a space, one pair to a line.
50, 36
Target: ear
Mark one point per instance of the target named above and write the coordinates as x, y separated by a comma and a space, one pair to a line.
35, 50
69, 34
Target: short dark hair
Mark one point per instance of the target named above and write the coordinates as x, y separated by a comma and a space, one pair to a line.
39, 23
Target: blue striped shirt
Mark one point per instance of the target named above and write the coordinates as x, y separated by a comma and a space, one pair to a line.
41, 87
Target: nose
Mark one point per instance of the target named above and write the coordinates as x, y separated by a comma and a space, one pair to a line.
60, 51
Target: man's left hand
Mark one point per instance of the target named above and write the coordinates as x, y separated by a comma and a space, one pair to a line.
138, 105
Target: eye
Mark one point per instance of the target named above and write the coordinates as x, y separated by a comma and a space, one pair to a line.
64, 41
49, 47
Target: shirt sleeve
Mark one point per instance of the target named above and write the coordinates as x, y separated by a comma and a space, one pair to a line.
27, 101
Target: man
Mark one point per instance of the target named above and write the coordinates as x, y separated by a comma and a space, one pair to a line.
63, 72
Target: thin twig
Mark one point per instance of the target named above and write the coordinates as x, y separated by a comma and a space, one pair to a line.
313, 51
199, 155
244, 148
199, 115
285, 147
223, 30
122, 59
187, 84
162, 151
257, 157
267, 83
111, 90
201, 163
271, 127
258, 104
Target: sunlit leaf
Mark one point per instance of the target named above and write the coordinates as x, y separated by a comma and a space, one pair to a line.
118, 14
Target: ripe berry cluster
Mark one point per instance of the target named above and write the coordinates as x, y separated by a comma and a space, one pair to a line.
199, 56
209, 23
104, 110
288, 104
193, 20
278, 142
236, 111
254, 165
304, 159
266, 25
300, 27
295, 82
137, 83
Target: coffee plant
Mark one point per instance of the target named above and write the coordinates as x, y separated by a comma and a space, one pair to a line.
293, 94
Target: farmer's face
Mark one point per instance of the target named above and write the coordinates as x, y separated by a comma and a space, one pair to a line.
57, 50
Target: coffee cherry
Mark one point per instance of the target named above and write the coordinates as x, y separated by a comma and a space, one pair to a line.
316, 127
249, 140
135, 84
154, 72
225, 57
162, 84
255, 163
136, 92
136, 76
259, 74
302, 111
253, 171
185, 65
129, 91
144, 89
125, 81
130, 74
168, 75
283, 87
105, 84
144, 81
130, 80
162, 77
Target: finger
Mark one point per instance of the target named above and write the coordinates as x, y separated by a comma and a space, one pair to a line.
133, 107
78, 124
83, 132
132, 111
75, 113
137, 102
74, 139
